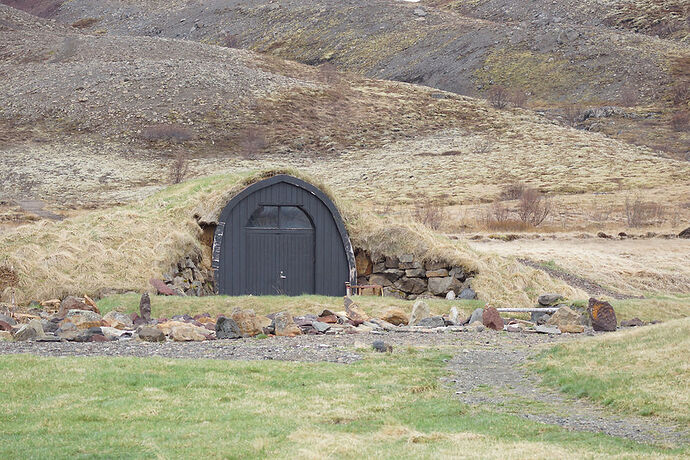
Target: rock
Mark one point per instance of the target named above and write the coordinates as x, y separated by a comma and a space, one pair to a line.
440, 273
383, 279
547, 330
29, 331
635, 322
539, 317
432, 321
285, 326
513, 328
161, 287
414, 272
450, 295
5, 336
5, 326
72, 303
112, 333
151, 334
320, 327
411, 285
363, 264
395, 316
188, 333
391, 262
84, 319
476, 316
247, 321
685, 233
439, 286
393, 292
167, 326
548, 300
381, 346
467, 294
227, 328
118, 320
571, 328
145, 307
477, 326
492, 319
354, 312
419, 12
420, 310
51, 325
98, 338
8, 319
602, 315
566, 318
454, 316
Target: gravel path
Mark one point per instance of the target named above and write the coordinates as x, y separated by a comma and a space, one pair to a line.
487, 370
496, 377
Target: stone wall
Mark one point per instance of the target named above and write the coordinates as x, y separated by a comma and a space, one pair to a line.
409, 278
189, 277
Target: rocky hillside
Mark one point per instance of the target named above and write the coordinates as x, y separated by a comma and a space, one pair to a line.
558, 57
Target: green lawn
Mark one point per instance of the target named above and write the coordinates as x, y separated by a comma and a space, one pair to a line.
167, 306
645, 370
386, 406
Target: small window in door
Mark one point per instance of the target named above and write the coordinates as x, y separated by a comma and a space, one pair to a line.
284, 217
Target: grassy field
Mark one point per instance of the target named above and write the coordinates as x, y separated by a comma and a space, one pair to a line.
386, 406
643, 371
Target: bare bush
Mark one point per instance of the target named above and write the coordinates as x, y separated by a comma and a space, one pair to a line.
533, 207
179, 168
167, 132
639, 212
430, 214
680, 121
497, 213
499, 96
572, 114
680, 93
512, 191
518, 98
252, 142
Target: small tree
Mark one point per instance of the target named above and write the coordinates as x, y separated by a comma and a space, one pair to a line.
498, 96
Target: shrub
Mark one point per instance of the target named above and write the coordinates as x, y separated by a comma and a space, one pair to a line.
518, 98
167, 132
481, 145
179, 168
533, 207
430, 214
512, 191
498, 97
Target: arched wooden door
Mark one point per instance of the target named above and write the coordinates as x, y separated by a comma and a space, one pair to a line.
282, 236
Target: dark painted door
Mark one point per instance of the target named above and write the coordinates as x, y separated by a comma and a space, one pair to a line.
280, 251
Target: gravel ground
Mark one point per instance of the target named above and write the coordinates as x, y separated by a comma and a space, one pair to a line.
487, 370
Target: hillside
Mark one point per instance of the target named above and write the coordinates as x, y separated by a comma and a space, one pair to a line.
559, 57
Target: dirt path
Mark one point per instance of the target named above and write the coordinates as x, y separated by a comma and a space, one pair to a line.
36, 207
496, 378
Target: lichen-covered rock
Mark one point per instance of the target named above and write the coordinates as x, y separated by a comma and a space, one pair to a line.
420, 310
439, 286
548, 300
118, 320
151, 334
363, 264
395, 316
84, 319
411, 285
227, 328
285, 326
72, 303
248, 322
602, 315
188, 333
567, 320
440, 273
32, 330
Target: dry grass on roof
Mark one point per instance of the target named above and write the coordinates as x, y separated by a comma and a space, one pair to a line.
121, 248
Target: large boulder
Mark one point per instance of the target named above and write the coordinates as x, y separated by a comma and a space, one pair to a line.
432, 321
476, 316
685, 233
396, 316
440, 285
492, 319
188, 333
145, 307
284, 325
567, 320
84, 319
118, 320
30, 331
548, 300
602, 315
467, 294
249, 324
420, 310
151, 334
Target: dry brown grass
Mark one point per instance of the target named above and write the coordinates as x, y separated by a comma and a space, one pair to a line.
121, 248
